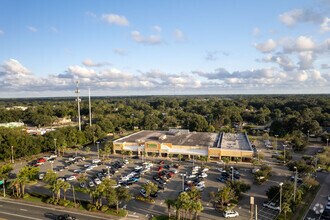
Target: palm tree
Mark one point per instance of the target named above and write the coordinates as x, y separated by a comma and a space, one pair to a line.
180, 157
16, 185
65, 186
23, 180
197, 207
286, 208
4, 173
170, 203
123, 195
82, 178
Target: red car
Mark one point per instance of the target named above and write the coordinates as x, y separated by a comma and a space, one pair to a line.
161, 162
160, 169
41, 160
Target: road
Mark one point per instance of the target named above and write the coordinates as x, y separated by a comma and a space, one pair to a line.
320, 198
11, 209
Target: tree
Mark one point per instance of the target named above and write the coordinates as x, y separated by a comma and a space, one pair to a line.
123, 195
239, 187
4, 173
224, 196
170, 203
150, 187
82, 178
286, 208
65, 186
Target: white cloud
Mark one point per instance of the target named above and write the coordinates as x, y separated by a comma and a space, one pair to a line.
211, 55
179, 35
283, 61
291, 18
157, 28
325, 26
91, 63
81, 72
32, 29
120, 51
266, 47
302, 43
306, 60
14, 67
150, 40
2, 32
302, 76
115, 19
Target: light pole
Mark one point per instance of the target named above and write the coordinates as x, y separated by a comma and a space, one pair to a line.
284, 145
78, 105
183, 175
55, 146
327, 142
308, 136
12, 154
232, 174
51, 165
276, 142
98, 149
281, 184
295, 184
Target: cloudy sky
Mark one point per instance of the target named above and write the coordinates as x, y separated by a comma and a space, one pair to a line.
170, 47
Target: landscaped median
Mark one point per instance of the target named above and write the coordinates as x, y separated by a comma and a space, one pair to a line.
80, 205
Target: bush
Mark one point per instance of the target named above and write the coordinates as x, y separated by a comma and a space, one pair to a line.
51, 201
91, 207
104, 208
63, 202
143, 199
26, 195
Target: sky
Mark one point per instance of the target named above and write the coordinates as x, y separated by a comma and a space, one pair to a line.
165, 47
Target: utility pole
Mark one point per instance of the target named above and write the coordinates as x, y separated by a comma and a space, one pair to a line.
276, 142
284, 145
90, 107
307, 136
78, 103
183, 175
74, 196
4, 187
232, 174
12, 154
295, 184
55, 146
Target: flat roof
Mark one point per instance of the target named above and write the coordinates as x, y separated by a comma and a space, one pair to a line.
235, 141
183, 138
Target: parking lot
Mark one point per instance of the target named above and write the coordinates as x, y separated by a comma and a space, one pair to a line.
173, 186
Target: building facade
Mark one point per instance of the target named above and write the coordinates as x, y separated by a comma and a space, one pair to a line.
176, 142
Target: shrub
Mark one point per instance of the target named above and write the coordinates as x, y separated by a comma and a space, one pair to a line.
51, 201
143, 199
63, 202
91, 207
121, 212
104, 208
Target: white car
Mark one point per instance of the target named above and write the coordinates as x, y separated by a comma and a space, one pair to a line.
196, 167
200, 187
201, 183
89, 168
91, 184
96, 161
125, 161
327, 206
203, 175
220, 162
205, 170
230, 214
192, 176
46, 157
52, 156
97, 181
194, 172
221, 170
70, 178
138, 168
271, 205
41, 176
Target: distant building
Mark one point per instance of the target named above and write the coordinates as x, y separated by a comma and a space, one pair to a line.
62, 121
17, 107
177, 141
12, 124
38, 131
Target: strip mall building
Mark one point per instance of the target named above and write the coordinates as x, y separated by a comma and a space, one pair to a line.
177, 141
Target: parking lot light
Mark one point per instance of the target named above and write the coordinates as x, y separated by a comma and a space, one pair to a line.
12, 154
98, 149
295, 184
281, 184
232, 174
55, 146
183, 176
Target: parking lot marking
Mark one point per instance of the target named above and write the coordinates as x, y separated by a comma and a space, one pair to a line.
134, 216
25, 210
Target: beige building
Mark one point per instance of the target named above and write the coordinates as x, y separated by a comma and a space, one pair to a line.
177, 141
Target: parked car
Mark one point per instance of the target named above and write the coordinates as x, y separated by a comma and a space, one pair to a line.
222, 179
66, 217
70, 178
143, 193
82, 184
96, 161
91, 184
230, 214
41, 176
97, 181
271, 205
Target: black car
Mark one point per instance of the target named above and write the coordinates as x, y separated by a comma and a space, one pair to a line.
156, 177
66, 217
154, 194
135, 157
167, 166
225, 174
161, 186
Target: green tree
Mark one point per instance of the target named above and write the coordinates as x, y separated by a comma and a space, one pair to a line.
150, 187
224, 196
170, 203
286, 208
